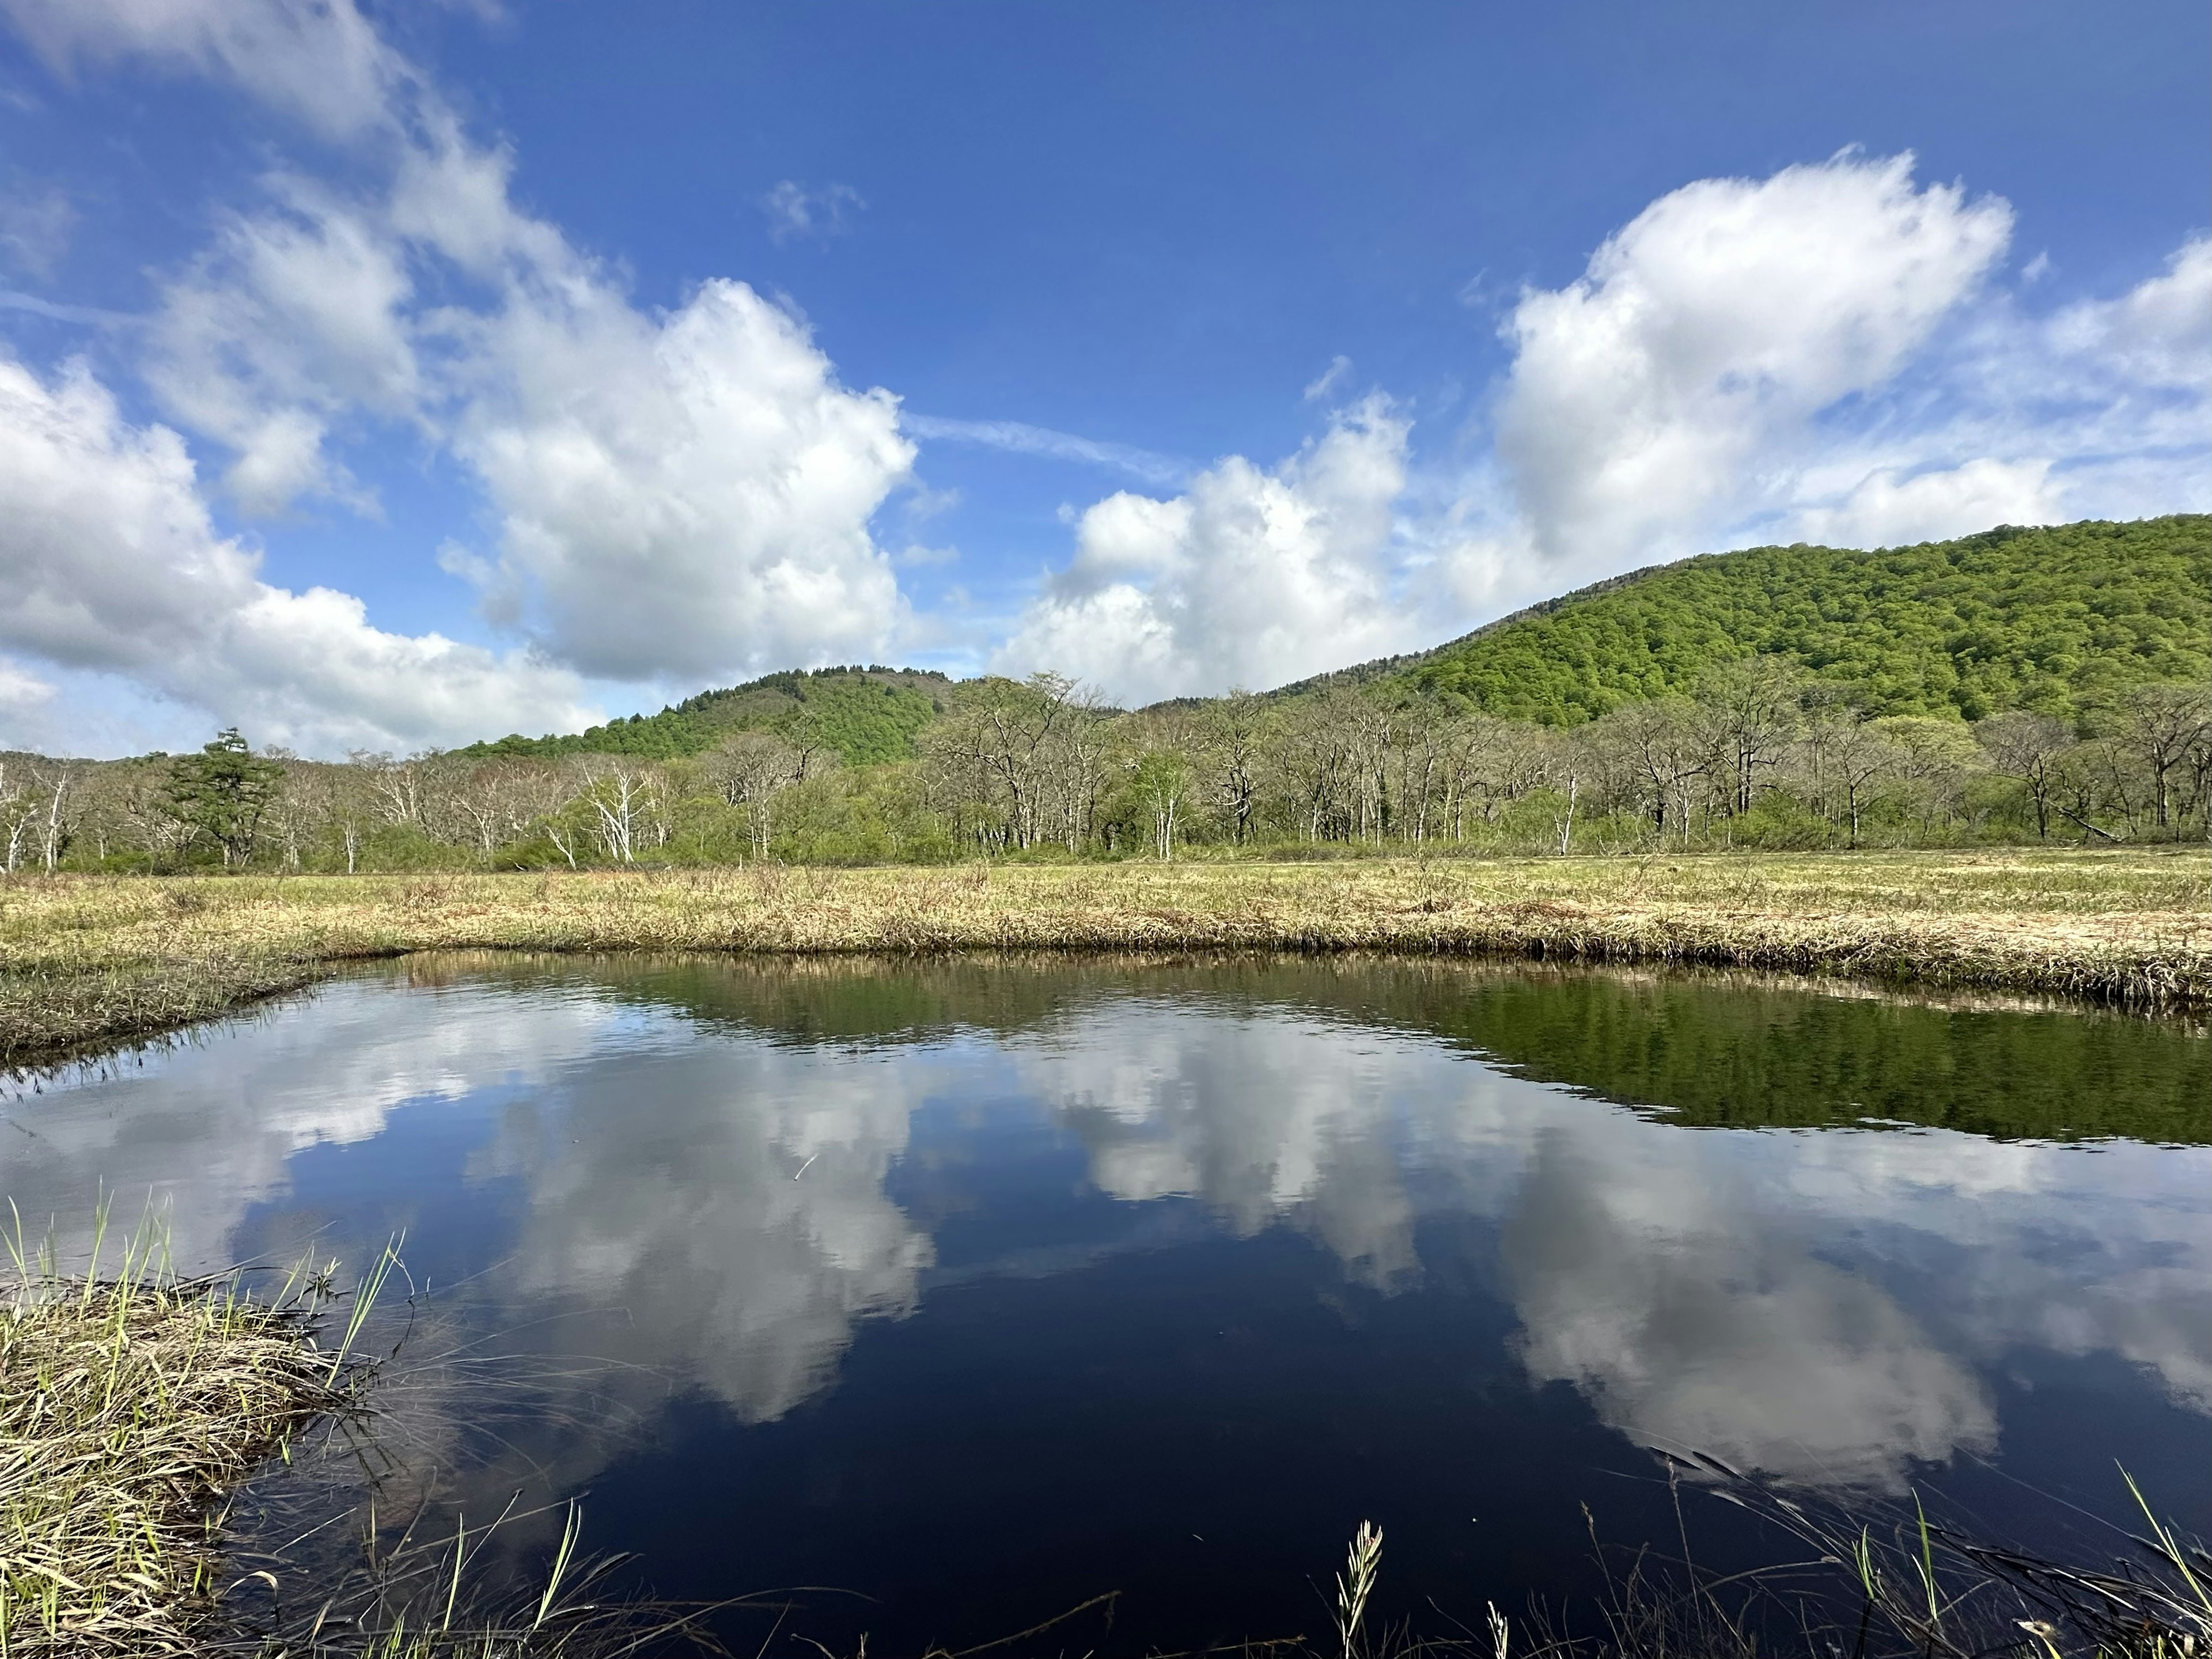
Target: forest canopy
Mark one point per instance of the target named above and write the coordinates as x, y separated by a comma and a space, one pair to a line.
2056, 621
867, 715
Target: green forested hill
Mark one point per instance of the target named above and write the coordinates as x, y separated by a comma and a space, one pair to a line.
867, 715
2049, 620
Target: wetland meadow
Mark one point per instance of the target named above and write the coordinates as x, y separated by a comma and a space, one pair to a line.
903, 1259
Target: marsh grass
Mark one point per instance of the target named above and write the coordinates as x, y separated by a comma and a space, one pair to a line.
442, 1599
1362, 1561
137, 1406
132, 1402
1933, 1589
1874, 1581
51, 1010
85, 960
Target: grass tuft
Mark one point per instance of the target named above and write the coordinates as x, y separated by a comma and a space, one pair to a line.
132, 1402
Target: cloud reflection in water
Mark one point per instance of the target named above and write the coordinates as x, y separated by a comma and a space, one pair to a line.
1819, 1304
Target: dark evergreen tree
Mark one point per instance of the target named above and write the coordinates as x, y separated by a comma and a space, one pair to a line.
222, 792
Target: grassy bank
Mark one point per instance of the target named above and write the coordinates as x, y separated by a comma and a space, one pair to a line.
131, 1406
89, 959
135, 1406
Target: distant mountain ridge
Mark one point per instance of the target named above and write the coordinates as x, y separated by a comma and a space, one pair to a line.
869, 715
2048, 619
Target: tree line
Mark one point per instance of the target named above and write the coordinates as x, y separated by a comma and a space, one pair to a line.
1760, 755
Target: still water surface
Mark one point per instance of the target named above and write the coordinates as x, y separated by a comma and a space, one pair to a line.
977, 1288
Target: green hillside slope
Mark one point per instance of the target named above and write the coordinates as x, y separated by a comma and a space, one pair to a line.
2050, 620
868, 715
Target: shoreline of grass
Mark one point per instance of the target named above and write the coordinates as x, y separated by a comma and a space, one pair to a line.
88, 960
138, 1406
131, 1407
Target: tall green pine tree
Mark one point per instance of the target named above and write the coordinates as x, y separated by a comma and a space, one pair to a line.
223, 793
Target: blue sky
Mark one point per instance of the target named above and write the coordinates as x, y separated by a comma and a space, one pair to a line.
387, 376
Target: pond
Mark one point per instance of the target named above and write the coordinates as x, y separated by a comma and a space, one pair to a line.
969, 1290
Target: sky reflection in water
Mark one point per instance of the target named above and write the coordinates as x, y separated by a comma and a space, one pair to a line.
1094, 1265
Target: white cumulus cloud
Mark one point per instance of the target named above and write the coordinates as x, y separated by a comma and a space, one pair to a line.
1650, 400
111, 564
687, 496
675, 495
1251, 576
1887, 508
292, 319
2159, 334
679, 496
2098, 410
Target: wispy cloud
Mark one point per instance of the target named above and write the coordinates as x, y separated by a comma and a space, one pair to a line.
11, 300
1330, 379
797, 212
1019, 438
36, 226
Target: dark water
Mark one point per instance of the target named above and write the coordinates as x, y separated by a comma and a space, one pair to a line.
977, 1289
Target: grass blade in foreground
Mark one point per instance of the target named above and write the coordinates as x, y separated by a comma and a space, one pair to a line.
131, 1404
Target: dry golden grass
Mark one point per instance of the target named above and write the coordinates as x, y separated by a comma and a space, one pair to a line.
84, 959
129, 1406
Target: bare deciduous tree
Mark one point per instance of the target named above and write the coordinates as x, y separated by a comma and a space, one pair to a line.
18, 809
1755, 708
750, 769
616, 792
1232, 734
1665, 754
1856, 756
2025, 747
2161, 724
